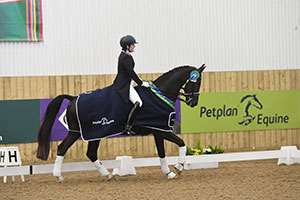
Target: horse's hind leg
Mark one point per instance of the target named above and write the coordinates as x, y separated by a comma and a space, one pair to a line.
61, 151
159, 141
92, 155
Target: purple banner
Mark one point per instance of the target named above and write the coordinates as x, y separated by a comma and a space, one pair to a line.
177, 110
59, 132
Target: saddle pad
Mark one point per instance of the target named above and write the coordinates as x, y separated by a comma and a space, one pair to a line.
103, 113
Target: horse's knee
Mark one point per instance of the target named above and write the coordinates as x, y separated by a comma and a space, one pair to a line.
161, 154
92, 156
181, 143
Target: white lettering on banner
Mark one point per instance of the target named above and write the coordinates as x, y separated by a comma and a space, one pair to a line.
1, 138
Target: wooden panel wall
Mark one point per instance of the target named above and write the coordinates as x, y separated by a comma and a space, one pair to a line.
50, 86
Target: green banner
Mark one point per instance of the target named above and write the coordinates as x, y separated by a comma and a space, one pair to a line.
19, 121
241, 111
21, 20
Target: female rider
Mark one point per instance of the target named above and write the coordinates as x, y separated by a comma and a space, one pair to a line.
126, 77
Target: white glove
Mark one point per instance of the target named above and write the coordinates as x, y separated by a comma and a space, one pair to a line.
145, 84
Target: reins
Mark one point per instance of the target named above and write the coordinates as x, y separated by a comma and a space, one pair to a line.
190, 94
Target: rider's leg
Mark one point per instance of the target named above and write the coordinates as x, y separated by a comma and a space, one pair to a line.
92, 155
133, 95
159, 141
137, 103
61, 151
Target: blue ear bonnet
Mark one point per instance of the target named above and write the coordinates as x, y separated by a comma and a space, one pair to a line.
194, 75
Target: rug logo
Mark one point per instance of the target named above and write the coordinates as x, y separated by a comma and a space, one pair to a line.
103, 121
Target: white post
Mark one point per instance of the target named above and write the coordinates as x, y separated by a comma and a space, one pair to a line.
10, 156
126, 166
292, 155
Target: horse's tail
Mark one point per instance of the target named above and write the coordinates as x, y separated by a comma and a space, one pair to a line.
44, 133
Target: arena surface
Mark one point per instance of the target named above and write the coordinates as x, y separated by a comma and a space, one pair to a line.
234, 180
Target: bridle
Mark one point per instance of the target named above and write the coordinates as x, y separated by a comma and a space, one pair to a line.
189, 96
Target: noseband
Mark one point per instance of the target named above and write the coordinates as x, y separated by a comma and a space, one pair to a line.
189, 95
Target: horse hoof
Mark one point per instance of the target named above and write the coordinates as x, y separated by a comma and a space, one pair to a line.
171, 175
178, 172
179, 168
109, 176
60, 179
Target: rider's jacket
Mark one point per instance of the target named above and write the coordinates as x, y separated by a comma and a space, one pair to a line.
125, 74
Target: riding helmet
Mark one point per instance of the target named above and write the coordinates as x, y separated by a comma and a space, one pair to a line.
127, 40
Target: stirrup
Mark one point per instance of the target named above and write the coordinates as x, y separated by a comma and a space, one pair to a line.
128, 130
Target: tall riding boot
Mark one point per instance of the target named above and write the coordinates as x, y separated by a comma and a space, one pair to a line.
132, 114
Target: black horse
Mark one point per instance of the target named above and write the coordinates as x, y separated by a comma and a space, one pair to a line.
184, 78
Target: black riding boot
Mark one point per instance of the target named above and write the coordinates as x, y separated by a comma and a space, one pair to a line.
132, 114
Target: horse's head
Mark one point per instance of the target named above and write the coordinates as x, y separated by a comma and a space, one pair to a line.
192, 87
184, 78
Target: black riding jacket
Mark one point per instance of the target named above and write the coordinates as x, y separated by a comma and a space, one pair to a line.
125, 74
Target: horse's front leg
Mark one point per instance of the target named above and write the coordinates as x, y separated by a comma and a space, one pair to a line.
159, 141
181, 160
182, 149
92, 155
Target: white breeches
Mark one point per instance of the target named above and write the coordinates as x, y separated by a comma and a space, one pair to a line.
133, 95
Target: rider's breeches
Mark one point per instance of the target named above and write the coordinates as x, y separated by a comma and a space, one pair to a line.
133, 95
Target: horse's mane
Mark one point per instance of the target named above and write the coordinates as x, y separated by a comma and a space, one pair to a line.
175, 70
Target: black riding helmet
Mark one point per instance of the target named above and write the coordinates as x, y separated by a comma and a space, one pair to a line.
127, 40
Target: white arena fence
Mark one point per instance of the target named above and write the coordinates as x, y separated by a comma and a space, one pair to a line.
125, 165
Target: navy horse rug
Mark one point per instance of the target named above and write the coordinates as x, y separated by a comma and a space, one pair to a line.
102, 113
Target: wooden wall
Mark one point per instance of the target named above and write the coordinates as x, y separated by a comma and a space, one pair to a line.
50, 86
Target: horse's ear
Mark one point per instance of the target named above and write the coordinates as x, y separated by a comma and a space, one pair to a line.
201, 69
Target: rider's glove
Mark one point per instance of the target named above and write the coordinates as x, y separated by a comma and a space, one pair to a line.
145, 84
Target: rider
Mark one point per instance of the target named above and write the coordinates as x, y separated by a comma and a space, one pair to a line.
126, 77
